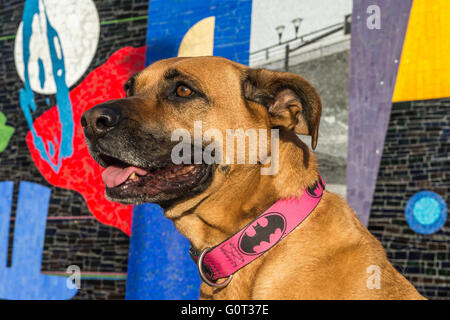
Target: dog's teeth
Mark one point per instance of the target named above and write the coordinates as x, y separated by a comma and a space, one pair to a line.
132, 176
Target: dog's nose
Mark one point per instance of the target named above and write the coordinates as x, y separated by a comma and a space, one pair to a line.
101, 119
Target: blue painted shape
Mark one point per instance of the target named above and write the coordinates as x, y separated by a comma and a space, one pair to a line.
159, 266
169, 20
23, 280
41, 73
6, 192
27, 102
426, 212
51, 149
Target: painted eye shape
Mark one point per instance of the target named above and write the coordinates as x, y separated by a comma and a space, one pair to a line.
184, 91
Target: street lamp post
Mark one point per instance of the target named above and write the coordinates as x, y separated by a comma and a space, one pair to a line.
280, 30
297, 22
286, 58
320, 34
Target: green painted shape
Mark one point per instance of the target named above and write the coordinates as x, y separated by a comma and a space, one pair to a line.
5, 132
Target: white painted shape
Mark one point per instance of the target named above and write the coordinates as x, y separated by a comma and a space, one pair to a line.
78, 27
199, 40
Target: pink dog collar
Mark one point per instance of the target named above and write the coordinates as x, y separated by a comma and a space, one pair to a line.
257, 237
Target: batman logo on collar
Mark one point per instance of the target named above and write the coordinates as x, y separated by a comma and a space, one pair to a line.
262, 234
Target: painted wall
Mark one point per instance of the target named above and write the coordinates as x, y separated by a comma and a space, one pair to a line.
60, 58
398, 165
415, 159
164, 270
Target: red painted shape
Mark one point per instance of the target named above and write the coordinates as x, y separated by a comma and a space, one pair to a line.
80, 172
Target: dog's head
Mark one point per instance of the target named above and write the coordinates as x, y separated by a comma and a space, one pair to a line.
133, 137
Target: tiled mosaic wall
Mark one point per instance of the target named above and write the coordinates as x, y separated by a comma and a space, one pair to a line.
415, 155
72, 234
415, 158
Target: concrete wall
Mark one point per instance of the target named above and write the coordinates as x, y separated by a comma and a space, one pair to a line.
328, 72
330, 76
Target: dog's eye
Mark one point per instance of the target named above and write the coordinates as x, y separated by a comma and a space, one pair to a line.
184, 91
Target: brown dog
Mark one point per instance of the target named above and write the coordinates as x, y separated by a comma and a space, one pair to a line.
328, 256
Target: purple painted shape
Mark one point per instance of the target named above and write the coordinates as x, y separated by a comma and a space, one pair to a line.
375, 56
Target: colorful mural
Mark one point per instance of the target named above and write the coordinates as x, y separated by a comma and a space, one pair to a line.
32, 10
231, 27
164, 269
60, 58
432, 24
57, 60
24, 272
80, 172
398, 164
5, 132
51, 57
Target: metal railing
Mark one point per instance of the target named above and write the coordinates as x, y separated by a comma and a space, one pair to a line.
289, 46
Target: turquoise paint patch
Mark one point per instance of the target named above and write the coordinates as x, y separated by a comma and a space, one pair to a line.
27, 102
51, 149
41, 73
426, 212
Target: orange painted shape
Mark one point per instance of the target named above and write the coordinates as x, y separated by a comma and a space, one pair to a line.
424, 71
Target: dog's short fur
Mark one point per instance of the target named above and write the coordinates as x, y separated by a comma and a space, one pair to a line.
326, 257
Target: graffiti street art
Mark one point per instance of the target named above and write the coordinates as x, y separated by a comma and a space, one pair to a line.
37, 48
5, 132
200, 28
384, 131
80, 172
24, 272
54, 46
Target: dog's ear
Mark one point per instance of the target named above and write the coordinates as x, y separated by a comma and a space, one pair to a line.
291, 101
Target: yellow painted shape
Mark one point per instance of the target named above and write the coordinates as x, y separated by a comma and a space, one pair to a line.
199, 40
424, 70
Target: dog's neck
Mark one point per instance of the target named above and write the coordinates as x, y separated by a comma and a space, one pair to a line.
212, 217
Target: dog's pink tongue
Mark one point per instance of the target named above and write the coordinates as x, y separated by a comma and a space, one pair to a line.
114, 176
